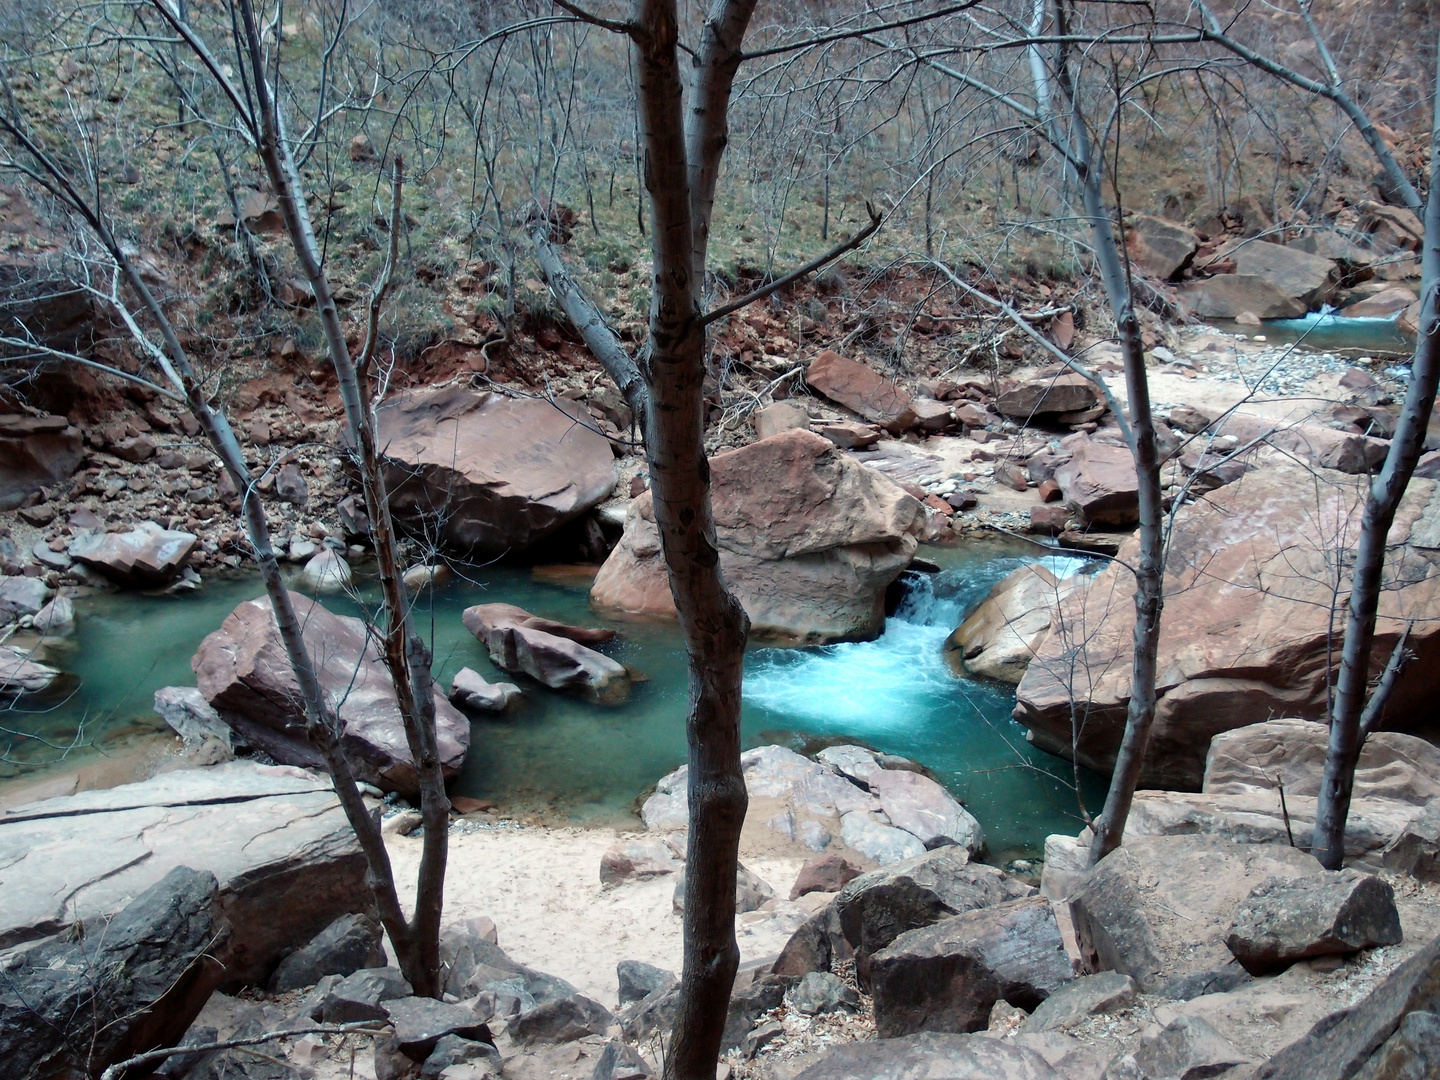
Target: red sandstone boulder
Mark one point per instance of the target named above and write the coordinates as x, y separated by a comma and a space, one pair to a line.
489, 474
852, 384
1247, 630
146, 555
1385, 304
550, 652
1100, 481
1160, 247
1000, 636
1064, 393
809, 540
1273, 281
35, 451
245, 674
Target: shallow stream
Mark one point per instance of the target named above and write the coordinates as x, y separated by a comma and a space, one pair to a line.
1326, 331
560, 757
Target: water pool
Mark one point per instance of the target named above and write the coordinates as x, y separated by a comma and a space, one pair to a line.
559, 757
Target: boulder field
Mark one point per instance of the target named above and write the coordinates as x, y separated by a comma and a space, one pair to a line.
809, 540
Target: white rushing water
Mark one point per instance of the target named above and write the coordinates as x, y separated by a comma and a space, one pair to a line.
888, 684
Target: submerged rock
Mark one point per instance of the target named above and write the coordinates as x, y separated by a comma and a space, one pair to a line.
809, 541
549, 652
19, 674
245, 674
487, 474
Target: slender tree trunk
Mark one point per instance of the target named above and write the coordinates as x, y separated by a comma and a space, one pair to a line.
712, 622
1150, 570
1085, 161
1386, 491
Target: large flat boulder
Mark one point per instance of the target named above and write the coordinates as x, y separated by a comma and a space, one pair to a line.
550, 652
1246, 635
1325, 447
1159, 908
1227, 296
1257, 817
146, 555
1308, 279
948, 976
274, 836
245, 675
35, 451
861, 390
1290, 753
809, 540
487, 474
999, 637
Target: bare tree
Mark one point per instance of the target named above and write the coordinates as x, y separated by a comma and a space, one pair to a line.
260, 120
684, 129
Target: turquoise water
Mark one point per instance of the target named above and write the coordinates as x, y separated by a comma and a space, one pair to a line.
560, 757
1325, 331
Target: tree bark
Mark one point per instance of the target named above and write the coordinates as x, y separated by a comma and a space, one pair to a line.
416, 941
712, 621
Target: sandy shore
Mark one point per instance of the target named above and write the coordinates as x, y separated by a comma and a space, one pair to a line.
541, 886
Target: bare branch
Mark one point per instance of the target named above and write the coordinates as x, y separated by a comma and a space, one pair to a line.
1375, 707
1040, 339
150, 1057
382, 283
795, 275
615, 26
591, 324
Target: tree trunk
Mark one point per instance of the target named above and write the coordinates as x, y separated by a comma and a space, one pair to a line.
1386, 491
712, 622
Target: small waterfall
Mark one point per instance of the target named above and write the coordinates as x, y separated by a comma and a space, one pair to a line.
882, 685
